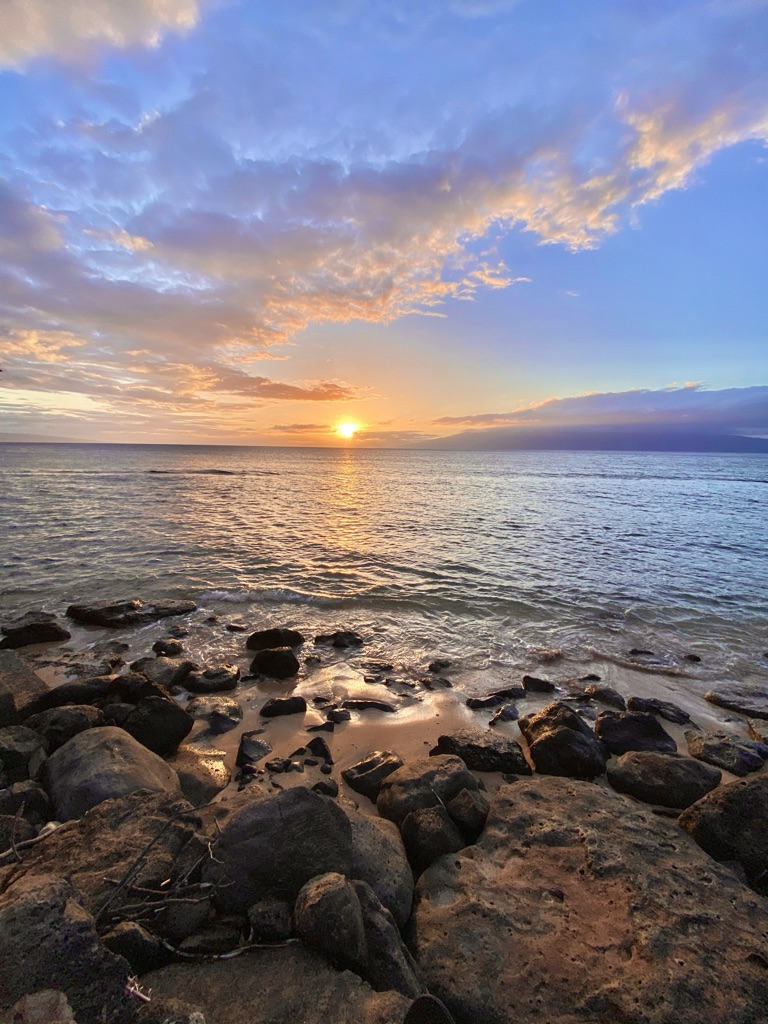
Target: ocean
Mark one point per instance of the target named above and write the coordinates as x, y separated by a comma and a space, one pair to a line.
500, 562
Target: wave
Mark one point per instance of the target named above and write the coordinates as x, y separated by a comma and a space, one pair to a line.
196, 472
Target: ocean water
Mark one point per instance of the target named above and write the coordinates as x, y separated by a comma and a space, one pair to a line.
499, 561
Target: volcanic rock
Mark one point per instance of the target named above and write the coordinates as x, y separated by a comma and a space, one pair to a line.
389, 965
213, 680
251, 748
668, 780
167, 672
275, 663
127, 613
531, 684
22, 752
378, 858
268, 639
58, 725
664, 708
221, 713
342, 639
20, 688
277, 706
745, 699
32, 628
327, 916
367, 704
425, 782
428, 833
632, 730
367, 775
484, 751
159, 724
469, 810
168, 647
606, 695
731, 753
561, 743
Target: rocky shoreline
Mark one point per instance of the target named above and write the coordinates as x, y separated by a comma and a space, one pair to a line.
187, 843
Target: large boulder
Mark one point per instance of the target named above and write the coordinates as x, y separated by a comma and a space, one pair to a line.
48, 941
101, 764
730, 823
267, 639
202, 773
378, 858
159, 724
367, 775
58, 725
633, 730
275, 663
22, 752
747, 700
425, 782
664, 779
484, 751
220, 713
275, 986
389, 965
561, 743
127, 613
32, 628
429, 833
579, 905
19, 689
274, 843
731, 753
663, 708
327, 916
213, 680
166, 672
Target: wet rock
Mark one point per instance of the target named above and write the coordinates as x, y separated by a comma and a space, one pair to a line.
378, 858
389, 965
496, 699
159, 724
633, 730
428, 833
116, 714
252, 749
747, 700
133, 687
222, 714
275, 663
561, 743
731, 753
236, 627
166, 672
338, 715
533, 685
342, 638
48, 941
275, 843
427, 1009
439, 665
668, 780
14, 830
143, 950
217, 939
278, 765
270, 920
46, 1007
664, 708
28, 799
213, 680
326, 787
100, 764
127, 613
367, 775
253, 989
202, 773
32, 628
22, 752
327, 916
58, 725
729, 823
268, 639
168, 647
484, 751
425, 782
367, 704
606, 695
506, 713
320, 748
181, 918
20, 689
469, 810
277, 706
614, 916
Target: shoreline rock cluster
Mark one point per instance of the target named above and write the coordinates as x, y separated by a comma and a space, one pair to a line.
590, 873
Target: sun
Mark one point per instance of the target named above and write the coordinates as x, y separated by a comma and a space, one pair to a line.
347, 430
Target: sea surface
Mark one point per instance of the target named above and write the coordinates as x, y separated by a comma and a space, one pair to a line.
502, 560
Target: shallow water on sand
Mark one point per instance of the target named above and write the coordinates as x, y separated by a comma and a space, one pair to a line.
499, 561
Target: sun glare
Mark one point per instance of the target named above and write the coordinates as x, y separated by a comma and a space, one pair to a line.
347, 430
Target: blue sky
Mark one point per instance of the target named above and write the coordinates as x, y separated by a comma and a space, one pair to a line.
233, 220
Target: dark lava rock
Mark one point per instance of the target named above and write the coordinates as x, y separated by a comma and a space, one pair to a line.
428, 833
100, 764
143, 950
389, 966
48, 941
278, 765
202, 773
28, 799
159, 724
638, 652
327, 916
469, 810
13, 830
236, 627
338, 715
323, 727
378, 858
275, 843
561, 743
668, 780
533, 685
484, 752
275, 663
58, 725
166, 672
269, 639
730, 824
428, 1009
342, 639
320, 748
480, 703
633, 730
20, 689
277, 706
368, 774
218, 939
506, 713
692, 657
425, 782
270, 920
664, 708
582, 876
745, 699
22, 752
439, 664
606, 695
127, 613
221, 713
251, 748
326, 787
32, 628
213, 680
367, 704
169, 647
731, 753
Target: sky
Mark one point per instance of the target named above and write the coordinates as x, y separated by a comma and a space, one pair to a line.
236, 221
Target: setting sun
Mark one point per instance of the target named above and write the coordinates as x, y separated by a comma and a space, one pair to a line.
347, 430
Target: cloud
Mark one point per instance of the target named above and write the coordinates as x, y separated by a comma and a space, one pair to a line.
65, 28
301, 428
